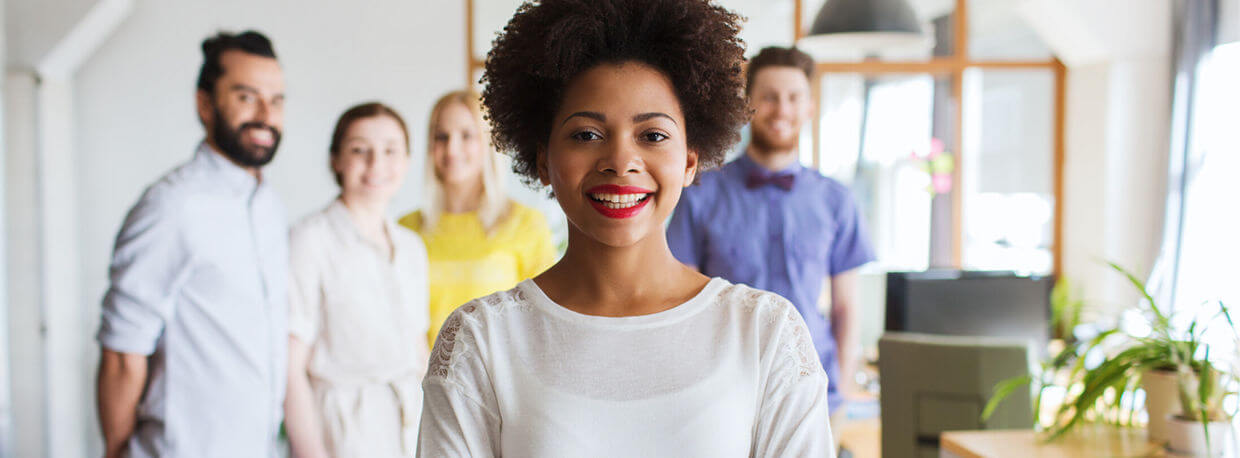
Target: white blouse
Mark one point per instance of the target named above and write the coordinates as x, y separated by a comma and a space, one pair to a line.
363, 315
731, 372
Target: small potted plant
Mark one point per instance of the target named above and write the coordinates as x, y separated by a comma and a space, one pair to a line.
1202, 427
1099, 376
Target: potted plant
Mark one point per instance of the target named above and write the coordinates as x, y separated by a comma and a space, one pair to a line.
1099, 375
1203, 427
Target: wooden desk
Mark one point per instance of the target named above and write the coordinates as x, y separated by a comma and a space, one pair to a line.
1086, 441
862, 437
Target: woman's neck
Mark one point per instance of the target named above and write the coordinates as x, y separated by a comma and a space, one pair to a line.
462, 197
368, 216
597, 279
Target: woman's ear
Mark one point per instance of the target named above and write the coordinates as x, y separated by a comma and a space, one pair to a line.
540, 163
691, 167
332, 159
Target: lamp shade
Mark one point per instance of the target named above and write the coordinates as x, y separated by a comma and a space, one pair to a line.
867, 27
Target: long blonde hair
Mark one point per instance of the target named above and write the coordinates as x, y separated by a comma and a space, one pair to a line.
495, 203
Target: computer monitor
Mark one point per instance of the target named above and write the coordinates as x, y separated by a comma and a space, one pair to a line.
970, 303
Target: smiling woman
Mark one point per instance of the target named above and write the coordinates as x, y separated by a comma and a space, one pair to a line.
618, 349
357, 302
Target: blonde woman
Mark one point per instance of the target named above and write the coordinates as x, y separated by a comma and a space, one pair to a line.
478, 240
357, 303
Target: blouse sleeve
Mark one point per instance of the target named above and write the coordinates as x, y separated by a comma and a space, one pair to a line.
305, 299
536, 253
793, 418
460, 415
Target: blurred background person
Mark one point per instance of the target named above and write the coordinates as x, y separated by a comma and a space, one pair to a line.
190, 363
479, 240
357, 303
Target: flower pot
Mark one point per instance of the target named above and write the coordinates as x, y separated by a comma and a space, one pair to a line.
1161, 401
1188, 437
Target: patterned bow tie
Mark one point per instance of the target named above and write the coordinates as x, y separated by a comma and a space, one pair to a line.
758, 179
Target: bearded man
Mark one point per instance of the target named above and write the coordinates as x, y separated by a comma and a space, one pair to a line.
194, 335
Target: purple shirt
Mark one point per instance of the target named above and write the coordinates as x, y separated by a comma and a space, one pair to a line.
786, 242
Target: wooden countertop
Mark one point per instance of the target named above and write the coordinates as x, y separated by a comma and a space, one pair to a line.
1086, 441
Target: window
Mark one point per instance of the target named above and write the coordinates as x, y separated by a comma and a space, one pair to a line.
1209, 262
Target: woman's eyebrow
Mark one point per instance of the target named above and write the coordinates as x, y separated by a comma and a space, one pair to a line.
647, 116
586, 114
602, 118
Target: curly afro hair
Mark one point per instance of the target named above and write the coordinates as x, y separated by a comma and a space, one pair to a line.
548, 43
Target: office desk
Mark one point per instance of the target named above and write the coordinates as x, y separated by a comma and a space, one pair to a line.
861, 437
1086, 441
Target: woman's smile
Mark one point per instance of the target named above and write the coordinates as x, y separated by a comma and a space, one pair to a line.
616, 201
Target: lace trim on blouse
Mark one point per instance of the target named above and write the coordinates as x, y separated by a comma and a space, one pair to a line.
798, 347
451, 346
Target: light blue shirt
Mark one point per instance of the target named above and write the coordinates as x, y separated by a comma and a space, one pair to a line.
199, 282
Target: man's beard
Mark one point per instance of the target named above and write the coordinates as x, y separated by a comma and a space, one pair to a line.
228, 141
771, 143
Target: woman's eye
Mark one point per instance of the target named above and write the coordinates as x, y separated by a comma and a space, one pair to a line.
586, 136
441, 137
654, 137
357, 150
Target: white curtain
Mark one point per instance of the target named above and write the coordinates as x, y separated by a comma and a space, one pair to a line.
1228, 21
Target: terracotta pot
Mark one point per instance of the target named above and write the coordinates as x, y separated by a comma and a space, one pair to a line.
1188, 437
1162, 399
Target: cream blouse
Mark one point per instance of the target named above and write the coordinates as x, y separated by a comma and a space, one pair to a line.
363, 315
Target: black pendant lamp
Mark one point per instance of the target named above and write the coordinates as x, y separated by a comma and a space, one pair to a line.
868, 27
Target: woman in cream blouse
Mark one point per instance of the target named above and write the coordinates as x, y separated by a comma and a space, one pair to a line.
357, 303
479, 241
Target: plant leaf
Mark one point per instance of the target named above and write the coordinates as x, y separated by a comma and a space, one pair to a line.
1162, 321
1002, 391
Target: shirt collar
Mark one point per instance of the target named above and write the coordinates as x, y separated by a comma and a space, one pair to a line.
338, 214
232, 175
748, 165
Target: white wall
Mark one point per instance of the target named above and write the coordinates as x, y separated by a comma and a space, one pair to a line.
135, 115
1117, 148
25, 321
6, 384
34, 27
68, 391
1118, 119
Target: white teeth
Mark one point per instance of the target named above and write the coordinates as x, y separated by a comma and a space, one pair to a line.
625, 199
615, 201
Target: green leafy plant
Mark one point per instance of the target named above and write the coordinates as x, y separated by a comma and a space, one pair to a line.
1066, 310
1105, 392
1203, 385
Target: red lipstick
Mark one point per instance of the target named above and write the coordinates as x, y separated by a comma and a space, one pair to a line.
623, 212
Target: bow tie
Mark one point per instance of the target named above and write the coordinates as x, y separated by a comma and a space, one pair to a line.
781, 180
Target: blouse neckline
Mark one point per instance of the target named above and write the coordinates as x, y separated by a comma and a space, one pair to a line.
676, 313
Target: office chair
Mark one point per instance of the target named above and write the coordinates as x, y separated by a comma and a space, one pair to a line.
934, 383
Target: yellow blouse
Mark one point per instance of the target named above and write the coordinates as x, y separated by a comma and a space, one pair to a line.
466, 263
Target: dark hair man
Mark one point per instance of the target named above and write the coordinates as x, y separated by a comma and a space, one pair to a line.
194, 332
